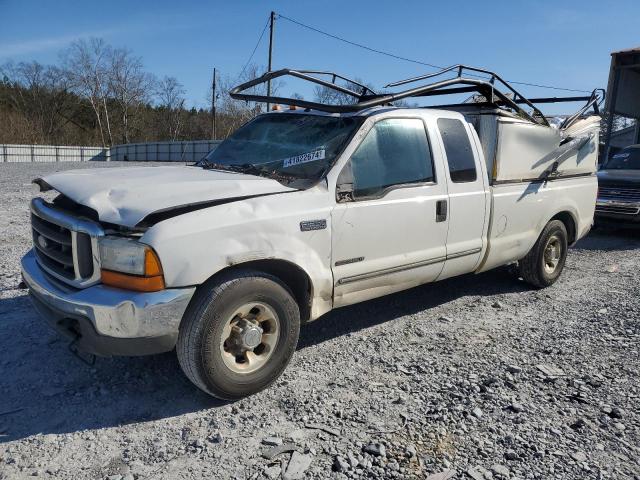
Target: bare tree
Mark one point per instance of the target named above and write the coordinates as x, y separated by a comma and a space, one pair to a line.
335, 97
234, 113
40, 93
128, 84
86, 64
100, 93
170, 94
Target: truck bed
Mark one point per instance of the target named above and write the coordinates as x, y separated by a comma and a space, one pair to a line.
511, 233
533, 172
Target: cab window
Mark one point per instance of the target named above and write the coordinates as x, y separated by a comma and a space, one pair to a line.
394, 153
462, 165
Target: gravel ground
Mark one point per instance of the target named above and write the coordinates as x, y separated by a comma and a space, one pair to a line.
475, 377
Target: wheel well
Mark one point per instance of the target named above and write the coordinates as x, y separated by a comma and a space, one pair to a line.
288, 273
569, 223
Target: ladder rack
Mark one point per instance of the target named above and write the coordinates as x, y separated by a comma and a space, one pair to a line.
466, 79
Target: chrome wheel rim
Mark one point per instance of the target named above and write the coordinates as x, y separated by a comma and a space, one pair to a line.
249, 337
552, 254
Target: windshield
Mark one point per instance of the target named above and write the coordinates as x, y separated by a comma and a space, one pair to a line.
285, 146
627, 159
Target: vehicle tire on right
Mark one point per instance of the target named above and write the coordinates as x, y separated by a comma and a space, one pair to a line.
542, 266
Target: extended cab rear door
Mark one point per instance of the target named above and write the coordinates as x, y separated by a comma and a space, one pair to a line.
469, 196
390, 233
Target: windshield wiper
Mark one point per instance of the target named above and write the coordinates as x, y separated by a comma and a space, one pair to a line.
253, 169
248, 168
209, 165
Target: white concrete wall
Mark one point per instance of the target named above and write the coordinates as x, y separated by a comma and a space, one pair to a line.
163, 151
50, 153
138, 152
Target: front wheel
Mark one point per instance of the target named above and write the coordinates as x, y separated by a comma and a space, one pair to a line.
545, 261
238, 334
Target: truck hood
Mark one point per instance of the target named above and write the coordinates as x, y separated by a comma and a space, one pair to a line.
126, 196
619, 177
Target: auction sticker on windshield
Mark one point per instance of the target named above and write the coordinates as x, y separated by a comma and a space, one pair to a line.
304, 158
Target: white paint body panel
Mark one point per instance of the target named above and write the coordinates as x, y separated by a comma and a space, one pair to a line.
498, 223
526, 151
404, 222
520, 211
194, 246
522, 150
125, 196
468, 213
396, 231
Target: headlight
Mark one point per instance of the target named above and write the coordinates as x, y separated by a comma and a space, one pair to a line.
127, 263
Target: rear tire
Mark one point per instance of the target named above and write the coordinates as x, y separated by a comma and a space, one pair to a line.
544, 263
238, 334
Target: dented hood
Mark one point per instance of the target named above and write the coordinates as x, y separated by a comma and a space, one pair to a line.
125, 196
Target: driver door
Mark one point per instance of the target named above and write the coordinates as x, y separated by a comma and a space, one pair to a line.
391, 234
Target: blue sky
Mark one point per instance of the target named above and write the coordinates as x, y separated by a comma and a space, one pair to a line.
565, 43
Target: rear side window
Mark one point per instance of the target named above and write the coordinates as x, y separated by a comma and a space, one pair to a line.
394, 152
462, 165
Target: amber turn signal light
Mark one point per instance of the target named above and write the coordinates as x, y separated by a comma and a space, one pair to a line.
151, 281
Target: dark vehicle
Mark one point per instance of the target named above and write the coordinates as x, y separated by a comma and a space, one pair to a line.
619, 189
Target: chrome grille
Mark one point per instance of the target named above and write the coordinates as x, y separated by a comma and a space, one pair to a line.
66, 246
617, 208
53, 245
629, 194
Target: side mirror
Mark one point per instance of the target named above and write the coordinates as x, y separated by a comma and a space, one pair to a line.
344, 185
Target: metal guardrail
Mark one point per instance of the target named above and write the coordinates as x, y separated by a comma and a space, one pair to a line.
191, 151
162, 151
51, 153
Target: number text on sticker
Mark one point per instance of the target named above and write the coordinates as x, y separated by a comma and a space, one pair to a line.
304, 158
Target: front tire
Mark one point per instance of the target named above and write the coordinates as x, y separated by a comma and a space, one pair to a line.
545, 261
238, 334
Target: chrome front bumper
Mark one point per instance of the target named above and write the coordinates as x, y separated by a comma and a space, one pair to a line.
121, 322
619, 210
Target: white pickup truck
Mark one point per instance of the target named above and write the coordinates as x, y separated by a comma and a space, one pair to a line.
298, 212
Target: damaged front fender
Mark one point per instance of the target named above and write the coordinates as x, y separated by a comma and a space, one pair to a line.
195, 246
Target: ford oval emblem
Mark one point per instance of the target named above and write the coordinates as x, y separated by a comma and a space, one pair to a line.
42, 242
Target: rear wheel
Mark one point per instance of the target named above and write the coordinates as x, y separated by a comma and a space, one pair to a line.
238, 334
545, 261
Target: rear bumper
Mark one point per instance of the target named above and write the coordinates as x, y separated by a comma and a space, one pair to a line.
107, 321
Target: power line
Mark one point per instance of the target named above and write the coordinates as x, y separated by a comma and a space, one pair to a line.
398, 57
254, 49
411, 60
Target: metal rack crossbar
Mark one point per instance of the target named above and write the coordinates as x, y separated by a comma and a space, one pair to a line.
594, 101
308, 75
483, 82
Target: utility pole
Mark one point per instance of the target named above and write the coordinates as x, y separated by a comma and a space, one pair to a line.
213, 105
271, 23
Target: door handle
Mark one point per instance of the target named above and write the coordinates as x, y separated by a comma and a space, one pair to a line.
441, 210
